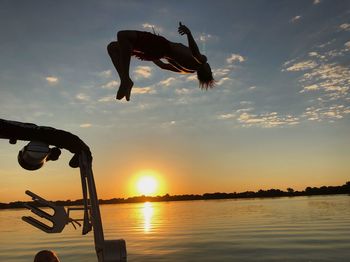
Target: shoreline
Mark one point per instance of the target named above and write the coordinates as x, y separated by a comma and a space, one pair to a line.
271, 193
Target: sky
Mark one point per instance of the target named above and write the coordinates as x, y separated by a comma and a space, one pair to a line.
278, 117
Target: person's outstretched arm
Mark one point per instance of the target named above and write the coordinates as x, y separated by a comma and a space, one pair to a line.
183, 30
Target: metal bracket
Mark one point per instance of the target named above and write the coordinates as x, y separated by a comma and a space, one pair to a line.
59, 219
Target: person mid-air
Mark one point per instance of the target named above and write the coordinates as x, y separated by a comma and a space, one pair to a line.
152, 47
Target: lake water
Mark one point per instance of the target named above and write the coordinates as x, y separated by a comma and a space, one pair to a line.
282, 229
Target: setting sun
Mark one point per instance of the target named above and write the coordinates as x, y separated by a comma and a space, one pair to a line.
147, 185
148, 182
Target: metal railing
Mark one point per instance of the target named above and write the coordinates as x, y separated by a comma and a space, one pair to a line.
106, 250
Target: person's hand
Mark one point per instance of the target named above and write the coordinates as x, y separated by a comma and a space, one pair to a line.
183, 30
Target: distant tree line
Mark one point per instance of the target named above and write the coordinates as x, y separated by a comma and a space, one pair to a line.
309, 191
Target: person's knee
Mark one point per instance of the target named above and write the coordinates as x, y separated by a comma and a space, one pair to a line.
112, 47
127, 36
122, 35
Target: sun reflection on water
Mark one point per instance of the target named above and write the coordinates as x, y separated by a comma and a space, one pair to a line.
147, 211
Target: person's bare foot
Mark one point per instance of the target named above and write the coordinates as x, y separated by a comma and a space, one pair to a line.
125, 90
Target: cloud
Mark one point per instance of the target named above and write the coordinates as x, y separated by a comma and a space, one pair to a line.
327, 80
221, 72
249, 109
152, 27
167, 82
326, 44
267, 120
204, 37
51, 79
106, 73
295, 19
345, 27
168, 124
244, 103
226, 116
183, 91
106, 99
288, 62
347, 46
192, 78
82, 97
86, 125
235, 57
316, 2
110, 85
246, 118
310, 88
143, 90
143, 72
222, 81
313, 54
330, 77
331, 113
304, 65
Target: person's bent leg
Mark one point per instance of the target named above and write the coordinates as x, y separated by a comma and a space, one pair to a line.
113, 51
126, 41
115, 54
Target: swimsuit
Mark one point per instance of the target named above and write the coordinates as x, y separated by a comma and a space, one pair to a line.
150, 46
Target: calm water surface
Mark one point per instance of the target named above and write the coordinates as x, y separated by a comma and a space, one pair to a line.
283, 229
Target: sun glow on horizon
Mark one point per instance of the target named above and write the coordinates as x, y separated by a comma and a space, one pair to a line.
148, 183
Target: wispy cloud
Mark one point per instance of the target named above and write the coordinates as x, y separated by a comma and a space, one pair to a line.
143, 72
304, 65
247, 118
105, 74
86, 125
347, 46
235, 58
310, 88
192, 78
267, 120
222, 81
219, 72
330, 113
152, 27
167, 82
295, 19
51, 79
327, 79
110, 85
143, 90
331, 78
183, 91
345, 27
82, 97
205, 37
106, 99
316, 2
226, 116
168, 124
241, 110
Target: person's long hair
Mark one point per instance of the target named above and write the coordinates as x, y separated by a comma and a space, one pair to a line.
205, 77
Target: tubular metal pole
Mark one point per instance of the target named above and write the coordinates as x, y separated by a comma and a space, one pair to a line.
95, 209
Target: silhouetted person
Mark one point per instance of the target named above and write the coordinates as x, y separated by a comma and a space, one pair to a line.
46, 256
152, 47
